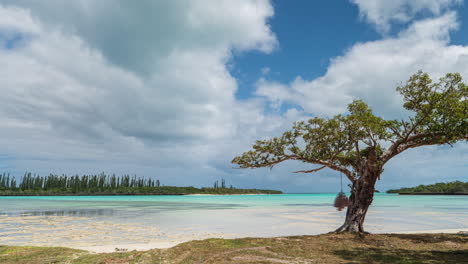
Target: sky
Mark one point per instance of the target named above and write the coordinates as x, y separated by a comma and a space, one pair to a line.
173, 90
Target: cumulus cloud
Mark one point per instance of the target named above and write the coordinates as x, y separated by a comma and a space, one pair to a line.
94, 69
382, 13
114, 82
139, 35
372, 70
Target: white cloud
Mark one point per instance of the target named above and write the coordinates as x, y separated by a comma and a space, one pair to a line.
372, 70
265, 70
139, 36
9, 20
382, 13
67, 70
137, 87
276, 92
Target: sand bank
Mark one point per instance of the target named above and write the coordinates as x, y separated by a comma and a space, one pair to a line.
168, 244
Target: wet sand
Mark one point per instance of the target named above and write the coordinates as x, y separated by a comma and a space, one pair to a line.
97, 236
105, 236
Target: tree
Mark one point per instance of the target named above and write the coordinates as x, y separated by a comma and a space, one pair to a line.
359, 143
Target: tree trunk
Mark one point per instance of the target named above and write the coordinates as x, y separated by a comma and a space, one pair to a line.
362, 194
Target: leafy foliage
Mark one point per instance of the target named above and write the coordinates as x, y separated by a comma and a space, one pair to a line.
446, 188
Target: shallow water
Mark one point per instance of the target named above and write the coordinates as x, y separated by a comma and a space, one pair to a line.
112, 220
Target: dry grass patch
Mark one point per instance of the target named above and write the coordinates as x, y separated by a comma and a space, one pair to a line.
328, 248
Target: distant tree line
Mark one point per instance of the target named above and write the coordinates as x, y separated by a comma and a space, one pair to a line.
223, 185
7, 182
103, 184
445, 188
84, 183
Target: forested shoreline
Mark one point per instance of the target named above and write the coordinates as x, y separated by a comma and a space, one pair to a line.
103, 184
456, 187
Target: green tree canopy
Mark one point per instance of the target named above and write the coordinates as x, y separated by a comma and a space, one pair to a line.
345, 142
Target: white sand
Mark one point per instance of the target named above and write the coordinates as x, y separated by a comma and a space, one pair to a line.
102, 235
169, 244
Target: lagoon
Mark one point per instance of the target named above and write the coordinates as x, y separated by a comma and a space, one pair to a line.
103, 223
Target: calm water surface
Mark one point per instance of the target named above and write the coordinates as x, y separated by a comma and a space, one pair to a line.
85, 220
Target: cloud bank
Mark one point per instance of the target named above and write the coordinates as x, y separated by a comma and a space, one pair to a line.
142, 84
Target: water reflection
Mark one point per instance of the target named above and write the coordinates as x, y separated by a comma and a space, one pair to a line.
308, 204
113, 209
73, 212
69, 212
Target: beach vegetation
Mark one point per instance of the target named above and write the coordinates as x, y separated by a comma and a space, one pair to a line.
327, 249
359, 143
455, 187
102, 184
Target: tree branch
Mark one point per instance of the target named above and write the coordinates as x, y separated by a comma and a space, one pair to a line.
409, 142
310, 171
269, 164
371, 136
358, 151
330, 165
395, 130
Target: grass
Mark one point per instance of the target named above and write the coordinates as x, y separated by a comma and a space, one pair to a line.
328, 248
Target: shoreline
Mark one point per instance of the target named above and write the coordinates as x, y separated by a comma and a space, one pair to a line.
169, 244
126, 194
331, 248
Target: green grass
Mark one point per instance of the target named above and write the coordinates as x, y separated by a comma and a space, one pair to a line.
37, 254
329, 248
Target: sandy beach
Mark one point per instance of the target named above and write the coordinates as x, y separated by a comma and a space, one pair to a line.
166, 244
102, 237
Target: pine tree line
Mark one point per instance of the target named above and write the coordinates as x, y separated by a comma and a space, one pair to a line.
223, 185
6, 181
75, 183
103, 184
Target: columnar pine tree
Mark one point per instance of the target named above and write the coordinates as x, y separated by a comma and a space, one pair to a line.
359, 144
75, 184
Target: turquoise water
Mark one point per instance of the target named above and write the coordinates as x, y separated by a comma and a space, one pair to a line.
84, 220
88, 204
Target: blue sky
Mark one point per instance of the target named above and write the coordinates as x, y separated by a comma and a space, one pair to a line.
310, 34
174, 89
